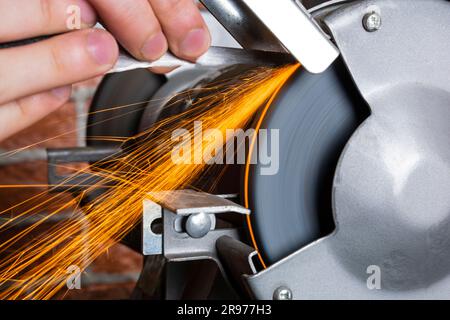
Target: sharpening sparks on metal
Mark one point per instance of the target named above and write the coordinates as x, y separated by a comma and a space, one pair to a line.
37, 268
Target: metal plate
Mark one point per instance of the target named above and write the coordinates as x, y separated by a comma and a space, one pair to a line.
393, 181
186, 202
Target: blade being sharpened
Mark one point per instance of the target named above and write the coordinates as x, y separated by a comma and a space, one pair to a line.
214, 57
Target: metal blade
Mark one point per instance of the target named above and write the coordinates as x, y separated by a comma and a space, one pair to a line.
215, 57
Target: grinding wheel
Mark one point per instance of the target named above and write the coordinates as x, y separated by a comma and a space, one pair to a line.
315, 116
119, 103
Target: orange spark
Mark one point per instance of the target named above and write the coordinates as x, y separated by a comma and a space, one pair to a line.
38, 270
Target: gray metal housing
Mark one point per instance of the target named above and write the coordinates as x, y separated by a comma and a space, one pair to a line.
391, 192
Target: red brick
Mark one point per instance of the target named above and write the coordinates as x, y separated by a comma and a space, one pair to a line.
56, 130
118, 259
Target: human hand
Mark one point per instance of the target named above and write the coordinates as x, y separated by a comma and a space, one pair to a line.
36, 79
148, 28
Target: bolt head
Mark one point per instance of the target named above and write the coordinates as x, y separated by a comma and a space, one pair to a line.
198, 225
282, 293
372, 22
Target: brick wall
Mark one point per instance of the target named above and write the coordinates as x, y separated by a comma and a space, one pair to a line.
113, 275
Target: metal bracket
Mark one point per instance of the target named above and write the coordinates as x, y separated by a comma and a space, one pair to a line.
186, 233
77, 182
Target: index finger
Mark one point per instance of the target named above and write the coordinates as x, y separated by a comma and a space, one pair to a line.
134, 24
183, 26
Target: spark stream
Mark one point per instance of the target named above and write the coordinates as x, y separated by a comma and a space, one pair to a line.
37, 267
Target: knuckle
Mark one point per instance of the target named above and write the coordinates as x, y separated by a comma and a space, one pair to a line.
129, 16
128, 12
21, 108
168, 6
45, 12
57, 60
4, 91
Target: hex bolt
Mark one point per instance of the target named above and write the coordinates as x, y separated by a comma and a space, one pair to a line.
372, 22
282, 293
198, 225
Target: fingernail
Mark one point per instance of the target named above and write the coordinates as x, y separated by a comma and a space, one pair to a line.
62, 93
162, 70
102, 47
88, 15
154, 47
196, 43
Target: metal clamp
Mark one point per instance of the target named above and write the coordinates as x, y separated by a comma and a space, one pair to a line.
188, 220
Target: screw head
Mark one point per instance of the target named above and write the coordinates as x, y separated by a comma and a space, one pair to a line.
198, 225
282, 293
372, 22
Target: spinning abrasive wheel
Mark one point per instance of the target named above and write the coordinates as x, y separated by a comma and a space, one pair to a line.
315, 116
